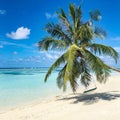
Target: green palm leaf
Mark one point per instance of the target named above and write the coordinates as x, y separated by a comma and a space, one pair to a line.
75, 13
85, 76
50, 43
102, 49
99, 32
60, 78
71, 58
101, 70
85, 34
95, 15
63, 18
72, 12
56, 64
56, 31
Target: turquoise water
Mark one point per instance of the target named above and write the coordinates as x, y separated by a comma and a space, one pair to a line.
18, 86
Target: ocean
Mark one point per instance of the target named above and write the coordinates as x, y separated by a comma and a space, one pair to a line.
18, 86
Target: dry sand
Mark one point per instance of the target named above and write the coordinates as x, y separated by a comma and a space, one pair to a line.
102, 104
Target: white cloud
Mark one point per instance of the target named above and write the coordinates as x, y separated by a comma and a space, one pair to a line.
2, 12
15, 44
34, 59
50, 16
20, 33
52, 57
49, 56
115, 38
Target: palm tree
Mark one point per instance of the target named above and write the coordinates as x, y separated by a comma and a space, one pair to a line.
81, 56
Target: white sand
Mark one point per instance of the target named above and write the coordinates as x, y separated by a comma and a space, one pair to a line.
102, 104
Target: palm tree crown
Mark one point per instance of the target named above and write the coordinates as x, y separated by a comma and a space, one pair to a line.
80, 58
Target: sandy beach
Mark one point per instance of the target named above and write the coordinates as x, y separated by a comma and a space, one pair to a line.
101, 104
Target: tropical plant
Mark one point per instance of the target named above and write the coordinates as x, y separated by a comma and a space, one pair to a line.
81, 56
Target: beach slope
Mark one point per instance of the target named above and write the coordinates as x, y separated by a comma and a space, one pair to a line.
102, 104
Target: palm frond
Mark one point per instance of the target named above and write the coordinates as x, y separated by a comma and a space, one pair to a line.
85, 76
55, 30
95, 15
80, 72
103, 49
85, 34
75, 13
56, 64
74, 75
73, 83
70, 72
78, 21
60, 79
72, 12
72, 80
101, 70
99, 32
50, 43
65, 21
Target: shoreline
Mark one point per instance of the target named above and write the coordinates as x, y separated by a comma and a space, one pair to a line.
32, 102
101, 104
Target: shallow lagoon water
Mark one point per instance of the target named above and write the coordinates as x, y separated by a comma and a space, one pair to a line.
18, 86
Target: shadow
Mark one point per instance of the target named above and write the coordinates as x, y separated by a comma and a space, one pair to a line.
88, 99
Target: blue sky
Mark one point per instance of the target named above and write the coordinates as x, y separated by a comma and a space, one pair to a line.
22, 23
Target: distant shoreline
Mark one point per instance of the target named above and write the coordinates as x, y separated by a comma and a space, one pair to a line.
25, 67
29, 67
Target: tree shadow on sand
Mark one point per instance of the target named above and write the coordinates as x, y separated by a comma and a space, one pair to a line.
88, 99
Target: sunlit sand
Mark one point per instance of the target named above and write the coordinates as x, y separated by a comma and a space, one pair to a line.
101, 104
